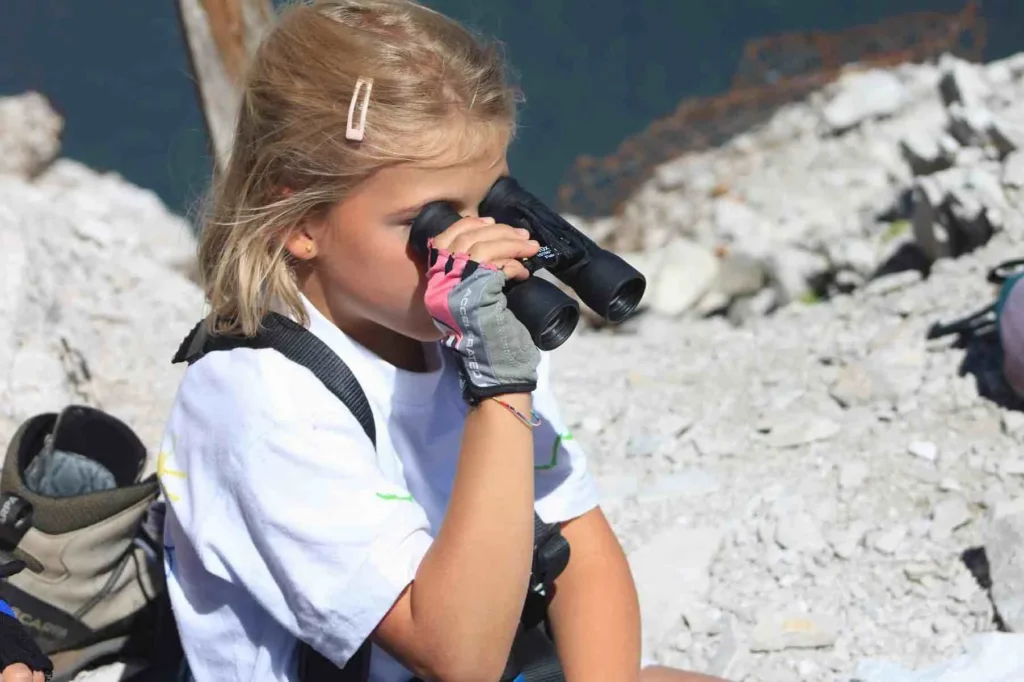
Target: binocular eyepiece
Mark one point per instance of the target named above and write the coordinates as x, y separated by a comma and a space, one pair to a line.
604, 281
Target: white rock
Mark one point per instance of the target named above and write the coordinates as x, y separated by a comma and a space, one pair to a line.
616, 487
730, 656
962, 83
739, 274
892, 283
684, 273
643, 444
948, 484
747, 308
853, 474
1008, 136
931, 229
796, 430
682, 641
924, 449
970, 125
926, 152
737, 223
690, 484
673, 424
1013, 170
863, 95
888, 542
1005, 507
1012, 467
776, 631
859, 384
671, 571
800, 533
790, 271
947, 516
29, 134
702, 619
844, 543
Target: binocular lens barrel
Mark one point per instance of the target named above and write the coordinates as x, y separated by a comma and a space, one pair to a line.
545, 310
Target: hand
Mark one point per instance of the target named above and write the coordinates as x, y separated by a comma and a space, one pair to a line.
19, 653
469, 265
19, 672
487, 242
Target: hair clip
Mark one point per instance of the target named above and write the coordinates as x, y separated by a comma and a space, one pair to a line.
356, 132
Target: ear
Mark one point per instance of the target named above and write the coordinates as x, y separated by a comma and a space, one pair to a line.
300, 244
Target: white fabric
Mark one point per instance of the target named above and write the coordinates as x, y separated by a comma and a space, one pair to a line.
284, 522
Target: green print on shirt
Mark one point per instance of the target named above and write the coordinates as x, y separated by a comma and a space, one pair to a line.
563, 437
391, 497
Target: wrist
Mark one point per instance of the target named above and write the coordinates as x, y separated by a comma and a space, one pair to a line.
522, 401
518, 405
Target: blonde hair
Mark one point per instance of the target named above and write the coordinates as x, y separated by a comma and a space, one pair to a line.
290, 158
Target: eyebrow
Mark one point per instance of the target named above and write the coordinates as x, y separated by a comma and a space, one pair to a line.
415, 209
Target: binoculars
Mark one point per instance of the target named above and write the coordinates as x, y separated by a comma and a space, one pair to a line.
605, 282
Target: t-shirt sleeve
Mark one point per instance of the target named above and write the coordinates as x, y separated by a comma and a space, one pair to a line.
563, 485
309, 524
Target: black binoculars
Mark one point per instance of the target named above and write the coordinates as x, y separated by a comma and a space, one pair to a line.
605, 282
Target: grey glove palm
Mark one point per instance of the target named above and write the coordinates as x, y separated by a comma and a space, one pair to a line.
467, 302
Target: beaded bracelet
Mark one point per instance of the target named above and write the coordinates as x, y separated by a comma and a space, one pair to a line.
532, 423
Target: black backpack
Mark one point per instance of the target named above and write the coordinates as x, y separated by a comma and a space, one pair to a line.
533, 657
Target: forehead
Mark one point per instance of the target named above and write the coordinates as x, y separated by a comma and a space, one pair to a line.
461, 144
461, 172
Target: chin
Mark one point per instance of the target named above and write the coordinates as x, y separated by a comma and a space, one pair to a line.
425, 333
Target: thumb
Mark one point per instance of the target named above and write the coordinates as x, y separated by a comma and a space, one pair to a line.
16, 672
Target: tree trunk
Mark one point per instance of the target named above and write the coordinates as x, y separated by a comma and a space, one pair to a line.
222, 36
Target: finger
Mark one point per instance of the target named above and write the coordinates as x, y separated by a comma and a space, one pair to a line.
38, 677
17, 672
444, 240
513, 269
465, 242
502, 250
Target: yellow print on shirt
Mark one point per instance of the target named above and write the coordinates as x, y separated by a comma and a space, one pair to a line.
164, 472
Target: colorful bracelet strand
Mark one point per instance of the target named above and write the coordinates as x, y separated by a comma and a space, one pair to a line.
532, 423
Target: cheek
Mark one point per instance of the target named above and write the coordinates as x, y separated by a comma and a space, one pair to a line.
386, 266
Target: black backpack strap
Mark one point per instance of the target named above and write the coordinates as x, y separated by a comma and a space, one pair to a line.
551, 550
298, 345
1002, 272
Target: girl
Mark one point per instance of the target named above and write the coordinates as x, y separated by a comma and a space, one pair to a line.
285, 523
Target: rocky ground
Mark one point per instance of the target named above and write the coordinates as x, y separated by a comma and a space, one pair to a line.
826, 465
803, 481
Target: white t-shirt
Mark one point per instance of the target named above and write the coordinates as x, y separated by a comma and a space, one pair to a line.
283, 520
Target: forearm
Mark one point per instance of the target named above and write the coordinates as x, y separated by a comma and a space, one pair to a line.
595, 615
469, 590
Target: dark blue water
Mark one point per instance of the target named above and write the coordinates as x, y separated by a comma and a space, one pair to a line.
594, 71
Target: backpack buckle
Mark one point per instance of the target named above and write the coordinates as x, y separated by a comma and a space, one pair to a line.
15, 520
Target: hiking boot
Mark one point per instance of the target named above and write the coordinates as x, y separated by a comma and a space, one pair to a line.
71, 508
